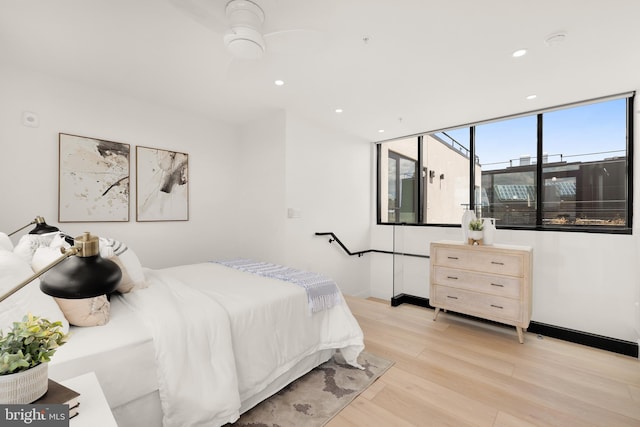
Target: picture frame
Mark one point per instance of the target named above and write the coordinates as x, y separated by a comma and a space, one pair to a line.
93, 179
162, 185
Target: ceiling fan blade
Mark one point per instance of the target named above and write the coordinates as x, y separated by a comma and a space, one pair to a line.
295, 41
209, 13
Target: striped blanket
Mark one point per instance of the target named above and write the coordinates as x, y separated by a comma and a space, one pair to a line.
322, 292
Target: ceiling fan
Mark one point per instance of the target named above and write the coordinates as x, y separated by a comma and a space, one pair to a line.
244, 38
252, 29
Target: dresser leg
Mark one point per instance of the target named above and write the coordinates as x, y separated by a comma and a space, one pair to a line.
520, 334
435, 314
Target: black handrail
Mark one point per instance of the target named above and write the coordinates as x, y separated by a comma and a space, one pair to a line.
334, 238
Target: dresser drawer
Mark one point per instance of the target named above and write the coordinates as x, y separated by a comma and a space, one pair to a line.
482, 305
480, 260
506, 286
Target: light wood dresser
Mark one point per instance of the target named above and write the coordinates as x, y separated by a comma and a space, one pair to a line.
492, 282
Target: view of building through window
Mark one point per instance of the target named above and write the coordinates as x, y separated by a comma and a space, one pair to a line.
400, 202
506, 151
446, 190
583, 171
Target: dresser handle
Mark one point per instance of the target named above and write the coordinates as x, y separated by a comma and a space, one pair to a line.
498, 285
497, 263
452, 277
452, 257
449, 296
496, 306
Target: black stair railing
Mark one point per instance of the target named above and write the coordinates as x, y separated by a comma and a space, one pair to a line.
334, 238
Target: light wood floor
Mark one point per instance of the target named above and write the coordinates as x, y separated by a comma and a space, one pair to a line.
457, 372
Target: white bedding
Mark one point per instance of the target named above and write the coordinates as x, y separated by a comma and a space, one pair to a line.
121, 353
194, 360
222, 336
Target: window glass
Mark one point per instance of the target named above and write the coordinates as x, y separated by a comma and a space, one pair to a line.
506, 153
585, 165
583, 171
446, 176
399, 201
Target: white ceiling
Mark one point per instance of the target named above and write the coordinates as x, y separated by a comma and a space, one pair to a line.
428, 64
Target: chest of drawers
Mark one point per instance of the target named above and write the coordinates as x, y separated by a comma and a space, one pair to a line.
491, 282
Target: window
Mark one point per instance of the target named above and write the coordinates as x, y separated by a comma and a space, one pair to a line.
446, 168
399, 198
566, 168
585, 165
506, 151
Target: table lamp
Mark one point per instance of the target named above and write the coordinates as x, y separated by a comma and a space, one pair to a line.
41, 227
79, 272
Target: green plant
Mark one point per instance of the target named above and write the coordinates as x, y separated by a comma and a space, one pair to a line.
476, 225
29, 343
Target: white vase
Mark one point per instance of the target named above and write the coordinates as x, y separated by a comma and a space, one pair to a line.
489, 228
25, 386
467, 217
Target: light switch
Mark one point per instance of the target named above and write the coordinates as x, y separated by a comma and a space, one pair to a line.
294, 213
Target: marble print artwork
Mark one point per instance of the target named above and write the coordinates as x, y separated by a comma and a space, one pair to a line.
94, 180
162, 185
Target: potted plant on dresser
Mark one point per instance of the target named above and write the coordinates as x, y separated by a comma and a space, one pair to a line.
25, 351
475, 232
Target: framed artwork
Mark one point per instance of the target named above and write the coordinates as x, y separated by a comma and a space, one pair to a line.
162, 185
93, 180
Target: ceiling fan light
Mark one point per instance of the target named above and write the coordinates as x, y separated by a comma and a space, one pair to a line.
245, 43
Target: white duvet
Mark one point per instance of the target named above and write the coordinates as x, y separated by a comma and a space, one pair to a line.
223, 335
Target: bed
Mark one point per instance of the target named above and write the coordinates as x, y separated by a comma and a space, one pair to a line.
203, 343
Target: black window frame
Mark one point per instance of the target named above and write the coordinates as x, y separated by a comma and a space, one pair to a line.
398, 157
539, 171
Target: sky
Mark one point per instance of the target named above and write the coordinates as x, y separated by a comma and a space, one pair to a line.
594, 128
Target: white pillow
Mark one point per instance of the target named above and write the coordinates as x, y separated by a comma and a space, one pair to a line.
5, 242
28, 244
58, 241
29, 299
111, 248
44, 256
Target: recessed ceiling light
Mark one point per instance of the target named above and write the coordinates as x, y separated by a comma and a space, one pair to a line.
279, 82
532, 96
338, 110
518, 53
380, 130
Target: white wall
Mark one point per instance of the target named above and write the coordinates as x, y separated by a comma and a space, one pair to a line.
288, 162
582, 281
242, 179
29, 171
258, 182
327, 182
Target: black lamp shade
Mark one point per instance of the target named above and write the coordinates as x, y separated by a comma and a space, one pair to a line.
43, 228
81, 277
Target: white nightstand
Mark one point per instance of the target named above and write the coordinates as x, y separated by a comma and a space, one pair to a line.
94, 410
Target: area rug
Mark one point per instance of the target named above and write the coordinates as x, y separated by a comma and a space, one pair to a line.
315, 398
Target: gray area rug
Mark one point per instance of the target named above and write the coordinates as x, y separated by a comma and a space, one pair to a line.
318, 396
